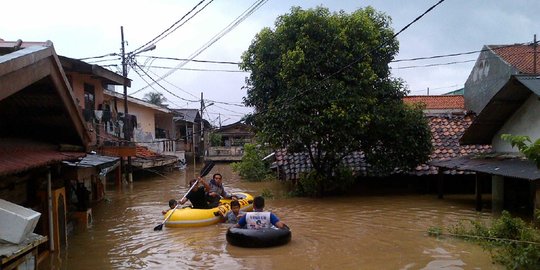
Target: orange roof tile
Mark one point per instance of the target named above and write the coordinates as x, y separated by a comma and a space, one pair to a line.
437, 102
520, 56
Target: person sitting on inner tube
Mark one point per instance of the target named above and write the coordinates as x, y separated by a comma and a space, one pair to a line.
197, 195
235, 214
258, 219
217, 191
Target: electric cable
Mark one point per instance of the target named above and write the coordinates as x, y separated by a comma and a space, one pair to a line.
165, 34
217, 37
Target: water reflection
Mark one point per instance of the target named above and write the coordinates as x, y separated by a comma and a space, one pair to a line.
354, 232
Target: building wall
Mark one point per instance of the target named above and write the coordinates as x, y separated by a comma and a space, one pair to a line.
489, 74
77, 84
524, 121
146, 128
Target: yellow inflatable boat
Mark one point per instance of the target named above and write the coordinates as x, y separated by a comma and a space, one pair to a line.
189, 217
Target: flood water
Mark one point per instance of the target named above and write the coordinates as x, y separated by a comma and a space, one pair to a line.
352, 232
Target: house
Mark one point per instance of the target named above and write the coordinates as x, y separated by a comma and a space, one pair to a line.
88, 83
188, 129
41, 127
154, 132
447, 119
232, 140
503, 89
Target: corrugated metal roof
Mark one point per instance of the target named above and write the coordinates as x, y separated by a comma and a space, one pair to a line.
98, 161
515, 167
21, 155
189, 115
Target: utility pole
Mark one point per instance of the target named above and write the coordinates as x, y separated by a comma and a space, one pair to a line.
126, 127
202, 125
219, 116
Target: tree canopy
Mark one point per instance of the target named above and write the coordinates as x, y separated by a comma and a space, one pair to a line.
155, 98
320, 83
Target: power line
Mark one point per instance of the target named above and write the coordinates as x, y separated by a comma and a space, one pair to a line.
455, 54
238, 104
385, 42
136, 65
300, 93
218, 36
193, 60
171, 84
96, 57
142, 77
168, 31
438, 64
199, 69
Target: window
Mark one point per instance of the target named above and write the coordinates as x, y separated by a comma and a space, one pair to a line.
89, 97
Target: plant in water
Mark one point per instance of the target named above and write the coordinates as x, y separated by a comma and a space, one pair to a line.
252, 167
313, 183
511, 241
267, 193
435, 231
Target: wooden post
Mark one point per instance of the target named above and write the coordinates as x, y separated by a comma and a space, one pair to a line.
440, 184
478, 190
535, 198
497, 194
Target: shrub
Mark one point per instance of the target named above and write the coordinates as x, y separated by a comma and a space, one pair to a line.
511, 241
252, 167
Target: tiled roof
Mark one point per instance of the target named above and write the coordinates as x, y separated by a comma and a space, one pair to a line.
20, 155
446, 130
519, 55
144, 152
437, 102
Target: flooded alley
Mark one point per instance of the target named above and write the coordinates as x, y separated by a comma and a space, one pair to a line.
352, 232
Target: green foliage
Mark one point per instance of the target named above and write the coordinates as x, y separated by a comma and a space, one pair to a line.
511, 242
308, 98
252, 167
267, 193
315, 184
526, 146
215, 139
435, 231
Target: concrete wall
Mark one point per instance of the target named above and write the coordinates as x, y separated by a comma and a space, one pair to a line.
524, 121
77, 83
487, 77
146, 128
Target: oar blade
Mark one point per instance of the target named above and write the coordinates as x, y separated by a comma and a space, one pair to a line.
158, 227
207, 168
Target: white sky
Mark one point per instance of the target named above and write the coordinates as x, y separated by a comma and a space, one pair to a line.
91, 28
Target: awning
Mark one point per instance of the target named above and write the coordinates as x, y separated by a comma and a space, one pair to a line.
104, 163
501, 165
21, 155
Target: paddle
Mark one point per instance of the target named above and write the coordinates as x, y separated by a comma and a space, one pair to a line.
204, 171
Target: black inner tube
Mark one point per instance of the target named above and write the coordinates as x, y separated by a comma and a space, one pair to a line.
258, 238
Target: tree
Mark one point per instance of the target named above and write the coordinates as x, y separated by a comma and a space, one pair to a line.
155, 98
320, 83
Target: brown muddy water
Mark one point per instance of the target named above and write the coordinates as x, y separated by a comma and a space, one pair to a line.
353, 232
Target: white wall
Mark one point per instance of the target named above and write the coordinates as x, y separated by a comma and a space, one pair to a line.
525, 121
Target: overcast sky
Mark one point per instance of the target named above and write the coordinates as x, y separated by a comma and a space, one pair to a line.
81, 29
